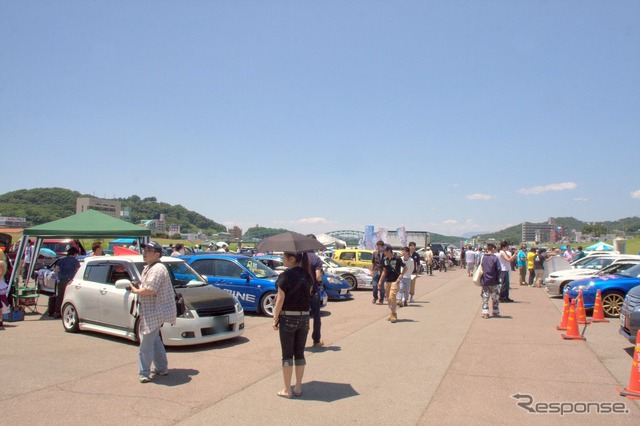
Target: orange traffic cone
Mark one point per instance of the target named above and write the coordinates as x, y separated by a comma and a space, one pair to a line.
633, 390
598, 313
581, 312
565, 313
572, 325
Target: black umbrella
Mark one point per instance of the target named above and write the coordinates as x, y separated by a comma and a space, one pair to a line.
289, 242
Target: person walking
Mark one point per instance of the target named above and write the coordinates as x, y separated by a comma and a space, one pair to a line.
391, 268
291, 318
65, 270
538, 266
428, 259
376, 271
490, 281
470, 260
405, 276
416, 269
156, 297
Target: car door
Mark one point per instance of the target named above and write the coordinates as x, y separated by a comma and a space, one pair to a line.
364, 259
115, 303
87, 291
236, 280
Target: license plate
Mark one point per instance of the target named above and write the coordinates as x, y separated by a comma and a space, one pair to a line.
623, 320
220, 324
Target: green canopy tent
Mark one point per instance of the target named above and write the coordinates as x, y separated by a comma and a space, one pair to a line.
88, 224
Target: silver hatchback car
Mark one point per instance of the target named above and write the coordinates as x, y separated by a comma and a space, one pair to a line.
98, 299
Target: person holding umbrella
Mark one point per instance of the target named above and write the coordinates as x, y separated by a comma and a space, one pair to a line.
291, 318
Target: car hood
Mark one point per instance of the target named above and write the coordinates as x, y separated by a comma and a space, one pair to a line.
205, 296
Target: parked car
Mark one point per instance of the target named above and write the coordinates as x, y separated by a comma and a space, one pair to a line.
334, 287
356, 277
98, 300
556, 281
613, 289
630, 315
354, 257
244, 277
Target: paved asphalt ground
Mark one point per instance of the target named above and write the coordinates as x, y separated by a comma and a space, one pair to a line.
441, 363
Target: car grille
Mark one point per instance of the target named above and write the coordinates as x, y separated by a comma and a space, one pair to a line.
216, 311
630, 302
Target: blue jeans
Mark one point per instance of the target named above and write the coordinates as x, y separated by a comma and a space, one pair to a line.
314, 311
375, 279
293, 336
151, 349
405, 285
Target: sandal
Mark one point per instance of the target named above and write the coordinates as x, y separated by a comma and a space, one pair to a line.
297, 394
284, 394
485, 316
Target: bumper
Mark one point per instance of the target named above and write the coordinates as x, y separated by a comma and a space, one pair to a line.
629, 325
196, 331
552, 288
338, 294
364, 281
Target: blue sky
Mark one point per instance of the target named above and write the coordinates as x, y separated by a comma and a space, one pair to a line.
442, 116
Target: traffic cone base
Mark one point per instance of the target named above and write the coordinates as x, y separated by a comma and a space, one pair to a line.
632, 391
598, 313
572, 325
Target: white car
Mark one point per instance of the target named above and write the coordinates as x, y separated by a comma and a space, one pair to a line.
355, 276
556, 281
98, 299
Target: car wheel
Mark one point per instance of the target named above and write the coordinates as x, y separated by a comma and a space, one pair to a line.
70, 320
612, 302
353, 282
268, 303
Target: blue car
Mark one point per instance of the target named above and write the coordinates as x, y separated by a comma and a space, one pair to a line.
336, 287
249, 280
613, 289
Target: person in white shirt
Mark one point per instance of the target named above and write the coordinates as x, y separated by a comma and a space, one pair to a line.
470, 259
505, 257
405, 277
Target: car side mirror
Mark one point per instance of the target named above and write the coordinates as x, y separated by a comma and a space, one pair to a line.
123, 284
245, 276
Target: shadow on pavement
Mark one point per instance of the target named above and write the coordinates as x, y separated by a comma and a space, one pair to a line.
327, 391
176, 377
323, 349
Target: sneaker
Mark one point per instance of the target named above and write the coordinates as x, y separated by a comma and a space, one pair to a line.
411, 300
485, 316
144, 379
374, 301
318, 344
161, 372
405, 303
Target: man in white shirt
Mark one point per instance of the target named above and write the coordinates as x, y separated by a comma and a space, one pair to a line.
470, 259
405, 277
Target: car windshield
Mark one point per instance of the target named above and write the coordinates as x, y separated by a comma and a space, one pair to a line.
332, 262
633, 272
257, 268
616, 268
182, 275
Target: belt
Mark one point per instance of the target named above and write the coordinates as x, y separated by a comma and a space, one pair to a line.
296, 313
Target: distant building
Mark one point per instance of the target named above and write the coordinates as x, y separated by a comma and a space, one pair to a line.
540, 232
236, 232
174, 229
158, 225
13, 222
110, 207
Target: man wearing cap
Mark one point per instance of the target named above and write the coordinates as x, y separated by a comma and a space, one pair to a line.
416, 269
157, 306
391, 268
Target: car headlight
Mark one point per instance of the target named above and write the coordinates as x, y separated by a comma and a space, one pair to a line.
238, 306
187, 314
333, 280
583, 287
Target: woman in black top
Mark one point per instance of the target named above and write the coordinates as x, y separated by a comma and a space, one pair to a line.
291, 318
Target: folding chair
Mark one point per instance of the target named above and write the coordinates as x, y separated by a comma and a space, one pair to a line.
27, 297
